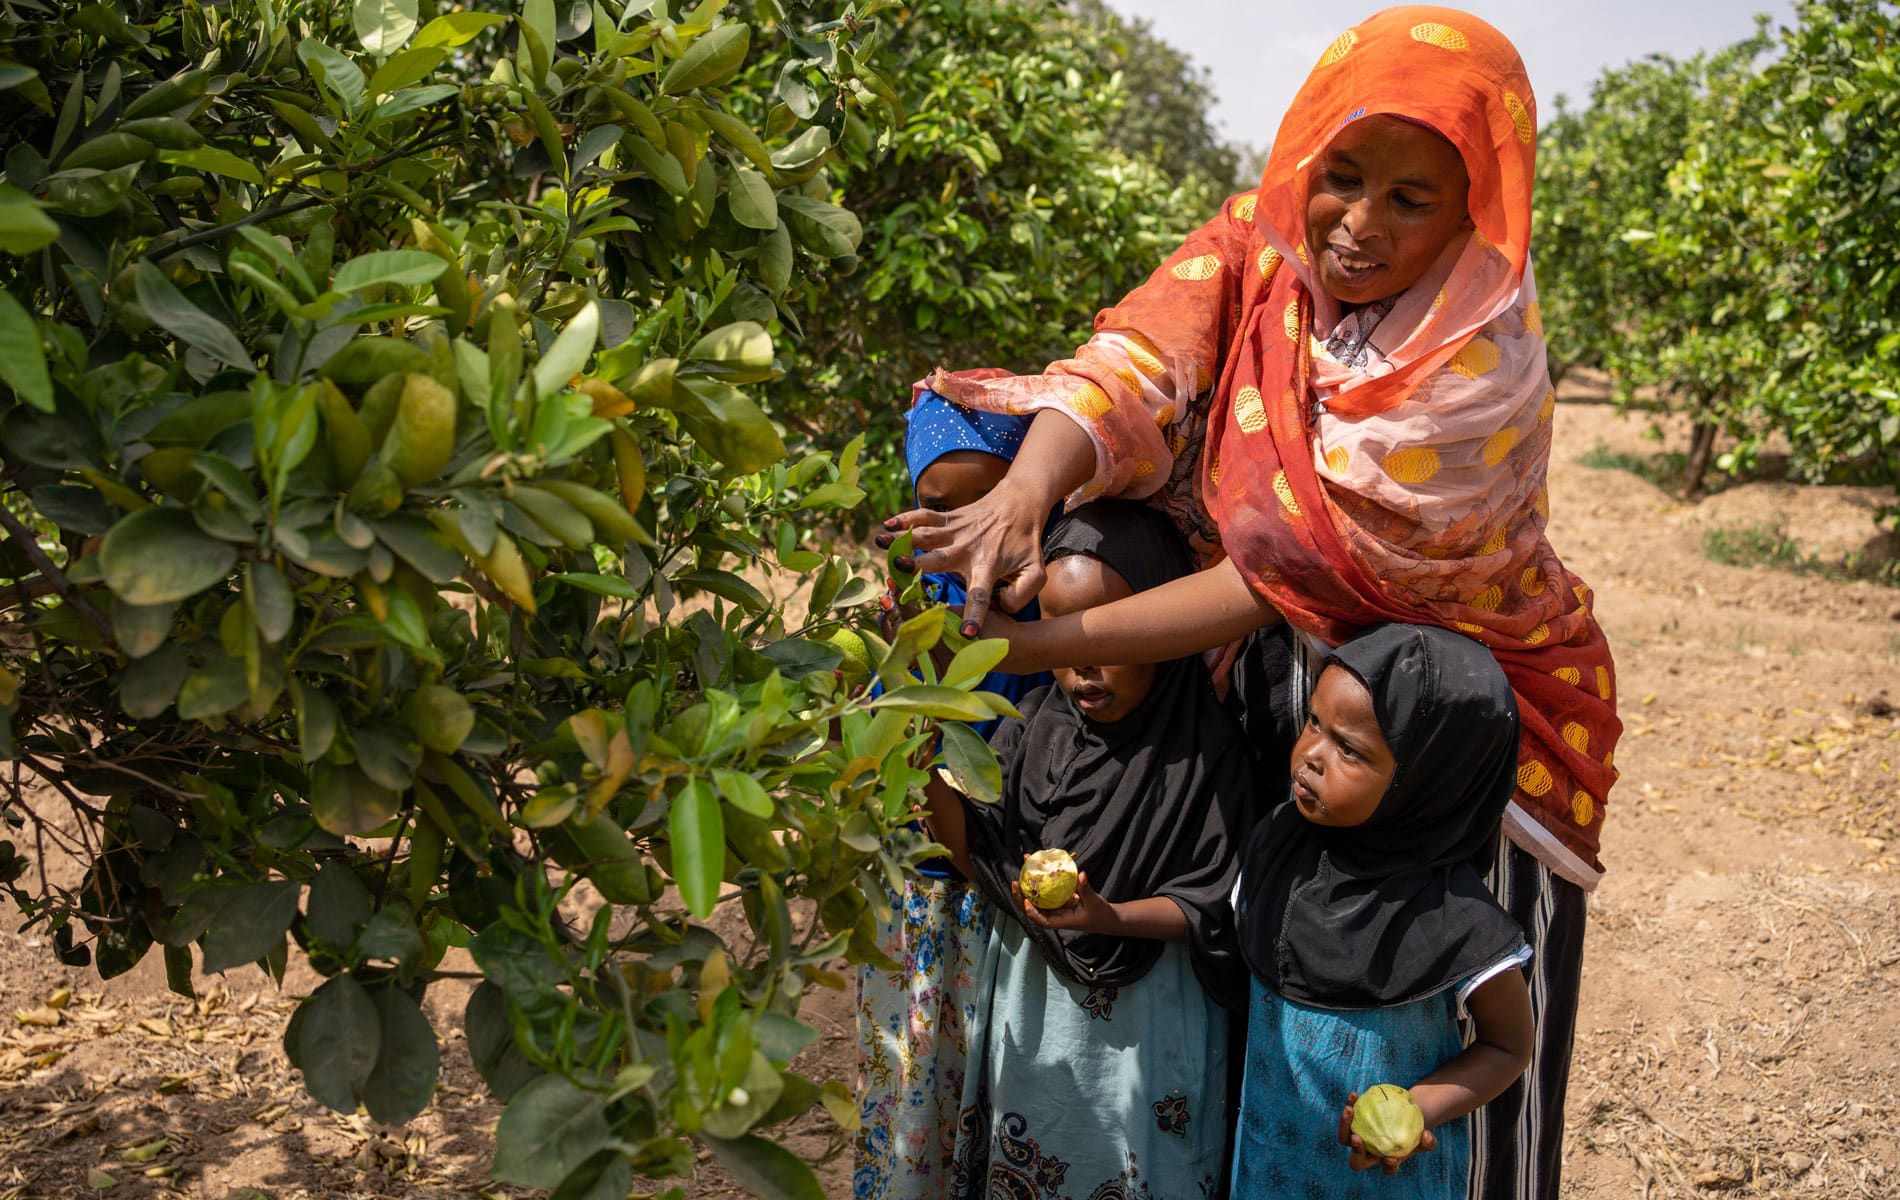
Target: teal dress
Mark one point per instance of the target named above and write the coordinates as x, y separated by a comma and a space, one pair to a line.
1091, 1093
1301, 1064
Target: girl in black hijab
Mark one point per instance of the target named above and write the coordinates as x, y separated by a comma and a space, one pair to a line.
1367, 927
1098, 1065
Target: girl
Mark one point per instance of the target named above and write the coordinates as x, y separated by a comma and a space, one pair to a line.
1098, 1064
912, 1021
1366, 923
1338, 384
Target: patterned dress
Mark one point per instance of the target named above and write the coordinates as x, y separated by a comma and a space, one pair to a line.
913, 1038
1095, 1094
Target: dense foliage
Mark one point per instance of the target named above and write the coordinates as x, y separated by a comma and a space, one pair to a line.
1024, 189
389, 533
1725, 230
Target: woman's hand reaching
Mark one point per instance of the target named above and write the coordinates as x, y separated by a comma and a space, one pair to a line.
994, 544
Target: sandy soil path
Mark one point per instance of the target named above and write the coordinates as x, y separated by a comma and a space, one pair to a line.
1738, 1033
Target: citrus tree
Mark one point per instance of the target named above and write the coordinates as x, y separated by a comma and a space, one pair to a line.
1723, 230
1017, 195
391, 538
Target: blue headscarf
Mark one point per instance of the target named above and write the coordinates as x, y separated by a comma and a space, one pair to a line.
938, 426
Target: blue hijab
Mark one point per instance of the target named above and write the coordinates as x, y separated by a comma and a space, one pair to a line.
937, 427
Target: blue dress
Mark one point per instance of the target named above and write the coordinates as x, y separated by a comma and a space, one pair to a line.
1301, 1064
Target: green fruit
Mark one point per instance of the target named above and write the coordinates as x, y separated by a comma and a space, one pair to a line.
422, 438
857, 666
1049, 878
1388, 1120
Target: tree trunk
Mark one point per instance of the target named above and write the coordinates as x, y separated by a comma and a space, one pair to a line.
1701, 450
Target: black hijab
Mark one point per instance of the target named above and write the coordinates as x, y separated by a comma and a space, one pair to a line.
1149, 805
1395, 909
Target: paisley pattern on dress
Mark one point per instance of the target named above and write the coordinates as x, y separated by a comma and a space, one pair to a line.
1100, 1003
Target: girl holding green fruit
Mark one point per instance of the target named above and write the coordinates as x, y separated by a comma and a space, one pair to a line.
1371, 937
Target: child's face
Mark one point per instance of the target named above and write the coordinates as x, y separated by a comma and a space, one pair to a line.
1383, 201
958, 478
1103, 694
1341, 764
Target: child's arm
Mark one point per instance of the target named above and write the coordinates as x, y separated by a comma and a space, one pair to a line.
1503, 1036
943, 816
1156, 917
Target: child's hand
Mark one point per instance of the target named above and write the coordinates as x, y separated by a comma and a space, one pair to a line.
1361, 1158
1085, 912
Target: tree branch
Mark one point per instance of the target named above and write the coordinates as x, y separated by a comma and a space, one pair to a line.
30, 546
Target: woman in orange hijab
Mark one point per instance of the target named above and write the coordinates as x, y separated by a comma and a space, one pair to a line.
1338, 386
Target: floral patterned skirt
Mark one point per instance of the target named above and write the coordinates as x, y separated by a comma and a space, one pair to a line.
912, 1039
1097, 1093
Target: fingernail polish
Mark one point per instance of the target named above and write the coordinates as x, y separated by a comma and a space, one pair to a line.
890, 523
883, 541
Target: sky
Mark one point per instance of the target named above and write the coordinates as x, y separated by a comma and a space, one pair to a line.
1259, 51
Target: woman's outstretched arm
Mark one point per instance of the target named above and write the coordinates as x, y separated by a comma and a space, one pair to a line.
1184, 616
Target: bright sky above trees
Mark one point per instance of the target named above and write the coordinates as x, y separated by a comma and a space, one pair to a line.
1259, 52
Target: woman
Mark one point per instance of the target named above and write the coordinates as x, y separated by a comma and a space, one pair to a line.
1338, 385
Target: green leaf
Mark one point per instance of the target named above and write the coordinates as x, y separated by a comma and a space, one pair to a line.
569, 353
824, 229
744, 792
737, 353
975, 661
766, 1169
600, 585
410, 67
213, 689
712, 58
160, 556
150, 683
335, 1039
339, 904
316, 720
336, 72
698, 835
404, 267
931, 700
971, 762
141, 628
726, 585
195, 327
548, 1130
730, 426
249, 926
754, 203
402, 1081
347, 802
383, 25
267, 594
22, 358
24, 225
455, 29
217, 162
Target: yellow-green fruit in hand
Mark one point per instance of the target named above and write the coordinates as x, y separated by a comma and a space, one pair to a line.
1388, 1120
1049, 878
856, 666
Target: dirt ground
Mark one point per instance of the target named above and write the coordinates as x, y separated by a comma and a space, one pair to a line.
1739, 1035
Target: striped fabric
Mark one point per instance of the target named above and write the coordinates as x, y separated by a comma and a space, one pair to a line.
1517, 1139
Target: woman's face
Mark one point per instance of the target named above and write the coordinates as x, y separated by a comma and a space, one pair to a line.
1382, 202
